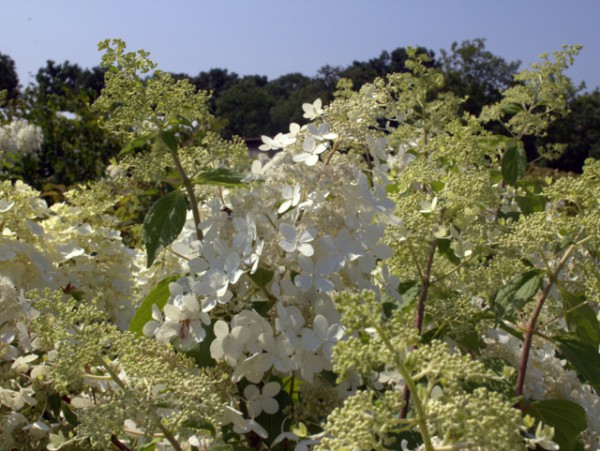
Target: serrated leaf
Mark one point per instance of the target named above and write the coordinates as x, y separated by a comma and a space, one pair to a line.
159, 295
583, 356
566, 417
134, 144
168, 137
516, 293
163, 223
582, 320
220, 177
511, 108
514, 163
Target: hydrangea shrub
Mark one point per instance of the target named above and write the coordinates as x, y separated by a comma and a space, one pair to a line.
393, 278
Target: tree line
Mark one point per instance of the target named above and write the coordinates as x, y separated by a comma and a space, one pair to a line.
76, 148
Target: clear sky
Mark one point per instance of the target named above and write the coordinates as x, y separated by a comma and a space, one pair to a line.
275, 37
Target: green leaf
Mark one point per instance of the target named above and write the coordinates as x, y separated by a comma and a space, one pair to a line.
262, 277
198, 423
514, 163
201, 352
54, 402
437, 186
151, 446
159, 295
516, 293
566, 417
69, 415
409, 290
221, 177
169, 139
471, 341
273, 424
582, 320
445, 249
532, 203
262, 307
134, 144
583, 356
511, 108
163, 223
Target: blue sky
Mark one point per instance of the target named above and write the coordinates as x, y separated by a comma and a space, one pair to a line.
275, 37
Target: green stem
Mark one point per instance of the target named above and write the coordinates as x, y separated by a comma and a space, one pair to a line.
410, 383
189, 188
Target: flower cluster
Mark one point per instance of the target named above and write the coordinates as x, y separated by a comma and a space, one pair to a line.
389, 278
51, 247
19, 137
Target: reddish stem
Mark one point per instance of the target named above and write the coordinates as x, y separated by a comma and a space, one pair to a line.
426, 280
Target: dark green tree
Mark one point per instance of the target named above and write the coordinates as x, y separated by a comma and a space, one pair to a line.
69, 81
9, 80
580, 131
290, 92
361, 72
476, 73
328, 77
75, 147
246, 107
216, 81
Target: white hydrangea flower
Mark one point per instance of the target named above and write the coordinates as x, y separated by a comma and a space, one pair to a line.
262, 400
310, 151
293, 241
321, 132
280, 141
245, 233
183, 319
289, 319
16, 400
20, 138
315, 274
38, 429
323, 336
21, 364
240, 424
5, 205
313, 110
378, 147
228, 346
291, 198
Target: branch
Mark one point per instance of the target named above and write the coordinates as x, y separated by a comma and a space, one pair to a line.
531, 326
426, 280
189, 188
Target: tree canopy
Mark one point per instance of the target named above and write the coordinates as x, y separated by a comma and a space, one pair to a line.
252, 105
9, 80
